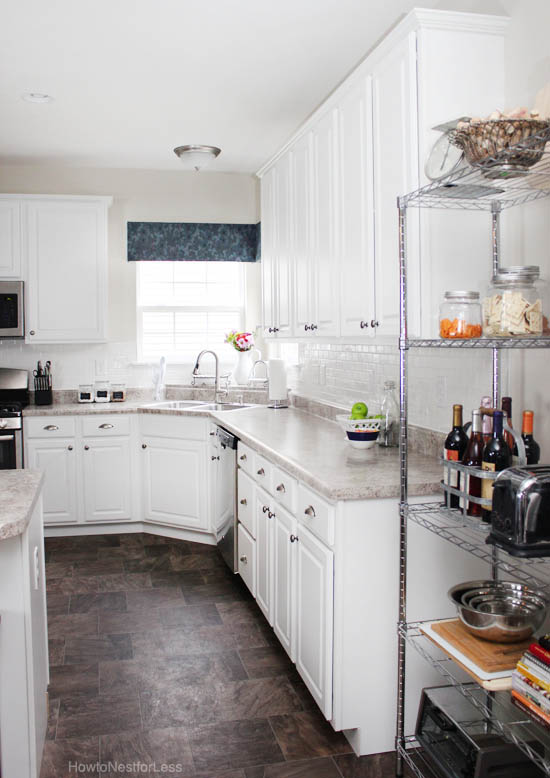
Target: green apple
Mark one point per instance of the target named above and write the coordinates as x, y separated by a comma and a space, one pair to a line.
359, 411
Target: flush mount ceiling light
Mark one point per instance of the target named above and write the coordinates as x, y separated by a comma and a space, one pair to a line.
196, 156
37, 97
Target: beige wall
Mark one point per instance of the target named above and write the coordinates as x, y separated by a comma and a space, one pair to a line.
142, 195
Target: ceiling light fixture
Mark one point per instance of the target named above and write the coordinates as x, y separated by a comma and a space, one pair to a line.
196, 156
37, 97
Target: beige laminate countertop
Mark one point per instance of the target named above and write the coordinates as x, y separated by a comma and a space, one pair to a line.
19, 491
312, 449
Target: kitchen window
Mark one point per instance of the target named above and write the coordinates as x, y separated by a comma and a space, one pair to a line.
184, 307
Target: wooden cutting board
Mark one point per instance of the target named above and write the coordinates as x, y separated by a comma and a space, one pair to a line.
490, 657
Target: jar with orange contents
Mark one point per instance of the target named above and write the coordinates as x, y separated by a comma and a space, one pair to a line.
460, 315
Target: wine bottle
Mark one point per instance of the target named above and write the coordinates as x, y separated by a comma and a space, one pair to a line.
507, 410
496, 457
486, 421
455, 446
472, 458
532, 448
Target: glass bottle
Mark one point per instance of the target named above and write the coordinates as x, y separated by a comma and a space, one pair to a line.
507, 410
455, 446
532, 448
496, 457
389, 410
486, 421
472, 458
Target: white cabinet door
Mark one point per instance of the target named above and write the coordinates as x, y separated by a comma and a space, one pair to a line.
325, 279
284, 530
301, 198
247, 558
107, 479
268, 239
10, 239
264, 553
57, 458
356, 267
283, 258
395, 170
314, 620
67, 259
175, 482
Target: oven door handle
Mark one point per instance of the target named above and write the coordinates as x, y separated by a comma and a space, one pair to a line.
6, 438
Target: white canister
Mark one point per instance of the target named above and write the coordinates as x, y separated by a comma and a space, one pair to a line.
85, 393
102, 392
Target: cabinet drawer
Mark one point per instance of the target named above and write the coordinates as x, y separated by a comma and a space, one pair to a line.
262, 472
98, 426
158, 425
284, 488
247, 559
245, 458
245, 502
316, 514
50, 427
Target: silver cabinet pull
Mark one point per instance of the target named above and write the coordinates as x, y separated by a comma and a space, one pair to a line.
261, 471
270, 515
243, 457
32, 332
243, 559
281, 488
213, 458
86, 448
106, 426
294, 538
244, 502
51, 427
144, 445
211, 434
310, 511
265, 509
70, 448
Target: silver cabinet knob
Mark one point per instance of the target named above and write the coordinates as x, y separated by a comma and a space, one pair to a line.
281, 488
265, 509
70, 448
144, 445
364, 324
106, 426
313, 327
86, 448
243, 458
243, 559
306, 327
275, 329
271, 329
51, 427
213, 458
374, 323
310, 511
270, 515
32, 332
261, 471
294, 538
211, 434
244, 502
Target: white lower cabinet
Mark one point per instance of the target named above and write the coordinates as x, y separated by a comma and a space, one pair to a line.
314, 622
247, 558
57, 458
284, 534
174, 482
264, 553
107, 473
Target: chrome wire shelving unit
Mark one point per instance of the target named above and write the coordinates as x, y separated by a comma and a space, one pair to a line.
467, 189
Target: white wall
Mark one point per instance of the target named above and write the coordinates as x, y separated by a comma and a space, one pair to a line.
139, 195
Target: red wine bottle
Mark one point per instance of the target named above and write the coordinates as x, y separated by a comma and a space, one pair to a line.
532, 448
455, 446
507, 410
486, 421
496, 457
472, 458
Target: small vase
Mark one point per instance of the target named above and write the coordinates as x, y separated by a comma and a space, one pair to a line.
243, 367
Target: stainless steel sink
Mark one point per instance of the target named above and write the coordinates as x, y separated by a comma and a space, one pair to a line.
224, 406
176, 405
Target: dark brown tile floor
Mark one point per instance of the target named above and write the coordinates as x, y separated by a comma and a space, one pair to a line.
160, 656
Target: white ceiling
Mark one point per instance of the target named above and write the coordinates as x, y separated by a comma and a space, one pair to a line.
134, 78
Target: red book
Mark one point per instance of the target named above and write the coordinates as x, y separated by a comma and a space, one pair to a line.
540, 653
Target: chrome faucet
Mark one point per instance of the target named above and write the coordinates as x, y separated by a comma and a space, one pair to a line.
219, 391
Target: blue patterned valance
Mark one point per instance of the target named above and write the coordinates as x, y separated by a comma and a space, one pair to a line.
193, 242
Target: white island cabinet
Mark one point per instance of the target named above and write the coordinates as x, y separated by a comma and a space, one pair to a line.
23, 627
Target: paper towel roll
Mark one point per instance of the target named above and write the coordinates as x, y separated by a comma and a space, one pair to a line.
277, 380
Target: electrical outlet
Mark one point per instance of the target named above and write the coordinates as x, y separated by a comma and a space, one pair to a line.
441, 391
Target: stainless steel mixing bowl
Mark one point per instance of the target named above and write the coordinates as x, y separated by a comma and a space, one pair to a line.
510, 612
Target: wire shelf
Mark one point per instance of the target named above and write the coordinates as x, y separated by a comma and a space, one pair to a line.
532, 342
469, 189
414, 758
470, 534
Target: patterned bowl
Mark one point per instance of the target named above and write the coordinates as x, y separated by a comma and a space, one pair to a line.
361, 433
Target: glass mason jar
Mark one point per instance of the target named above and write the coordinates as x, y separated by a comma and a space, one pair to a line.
515, 303
460, 315
389, 410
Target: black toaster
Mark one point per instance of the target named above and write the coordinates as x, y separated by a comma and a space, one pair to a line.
520, 518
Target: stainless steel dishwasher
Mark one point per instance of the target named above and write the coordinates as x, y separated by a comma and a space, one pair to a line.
225, 497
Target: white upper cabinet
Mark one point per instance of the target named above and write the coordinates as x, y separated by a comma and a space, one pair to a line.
356, 210
66, 292
269, 238
301, 234
10, 239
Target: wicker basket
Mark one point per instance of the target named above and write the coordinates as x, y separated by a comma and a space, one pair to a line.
503, 148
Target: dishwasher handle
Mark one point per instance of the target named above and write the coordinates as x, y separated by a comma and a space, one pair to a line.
226, 439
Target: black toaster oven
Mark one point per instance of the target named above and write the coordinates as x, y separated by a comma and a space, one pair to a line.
458, 742
520, 519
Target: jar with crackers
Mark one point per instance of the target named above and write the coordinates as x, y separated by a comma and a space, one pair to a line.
515, 304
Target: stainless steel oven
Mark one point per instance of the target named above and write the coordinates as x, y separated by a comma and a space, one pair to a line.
12, 309
14, 396
11, 443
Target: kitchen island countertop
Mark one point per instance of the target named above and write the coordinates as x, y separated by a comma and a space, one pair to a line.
19, 491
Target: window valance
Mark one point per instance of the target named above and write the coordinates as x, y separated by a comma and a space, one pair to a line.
192, 242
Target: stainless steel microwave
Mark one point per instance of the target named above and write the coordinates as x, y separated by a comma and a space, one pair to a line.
12, 308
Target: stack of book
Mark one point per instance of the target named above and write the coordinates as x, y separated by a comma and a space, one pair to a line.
531, 683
